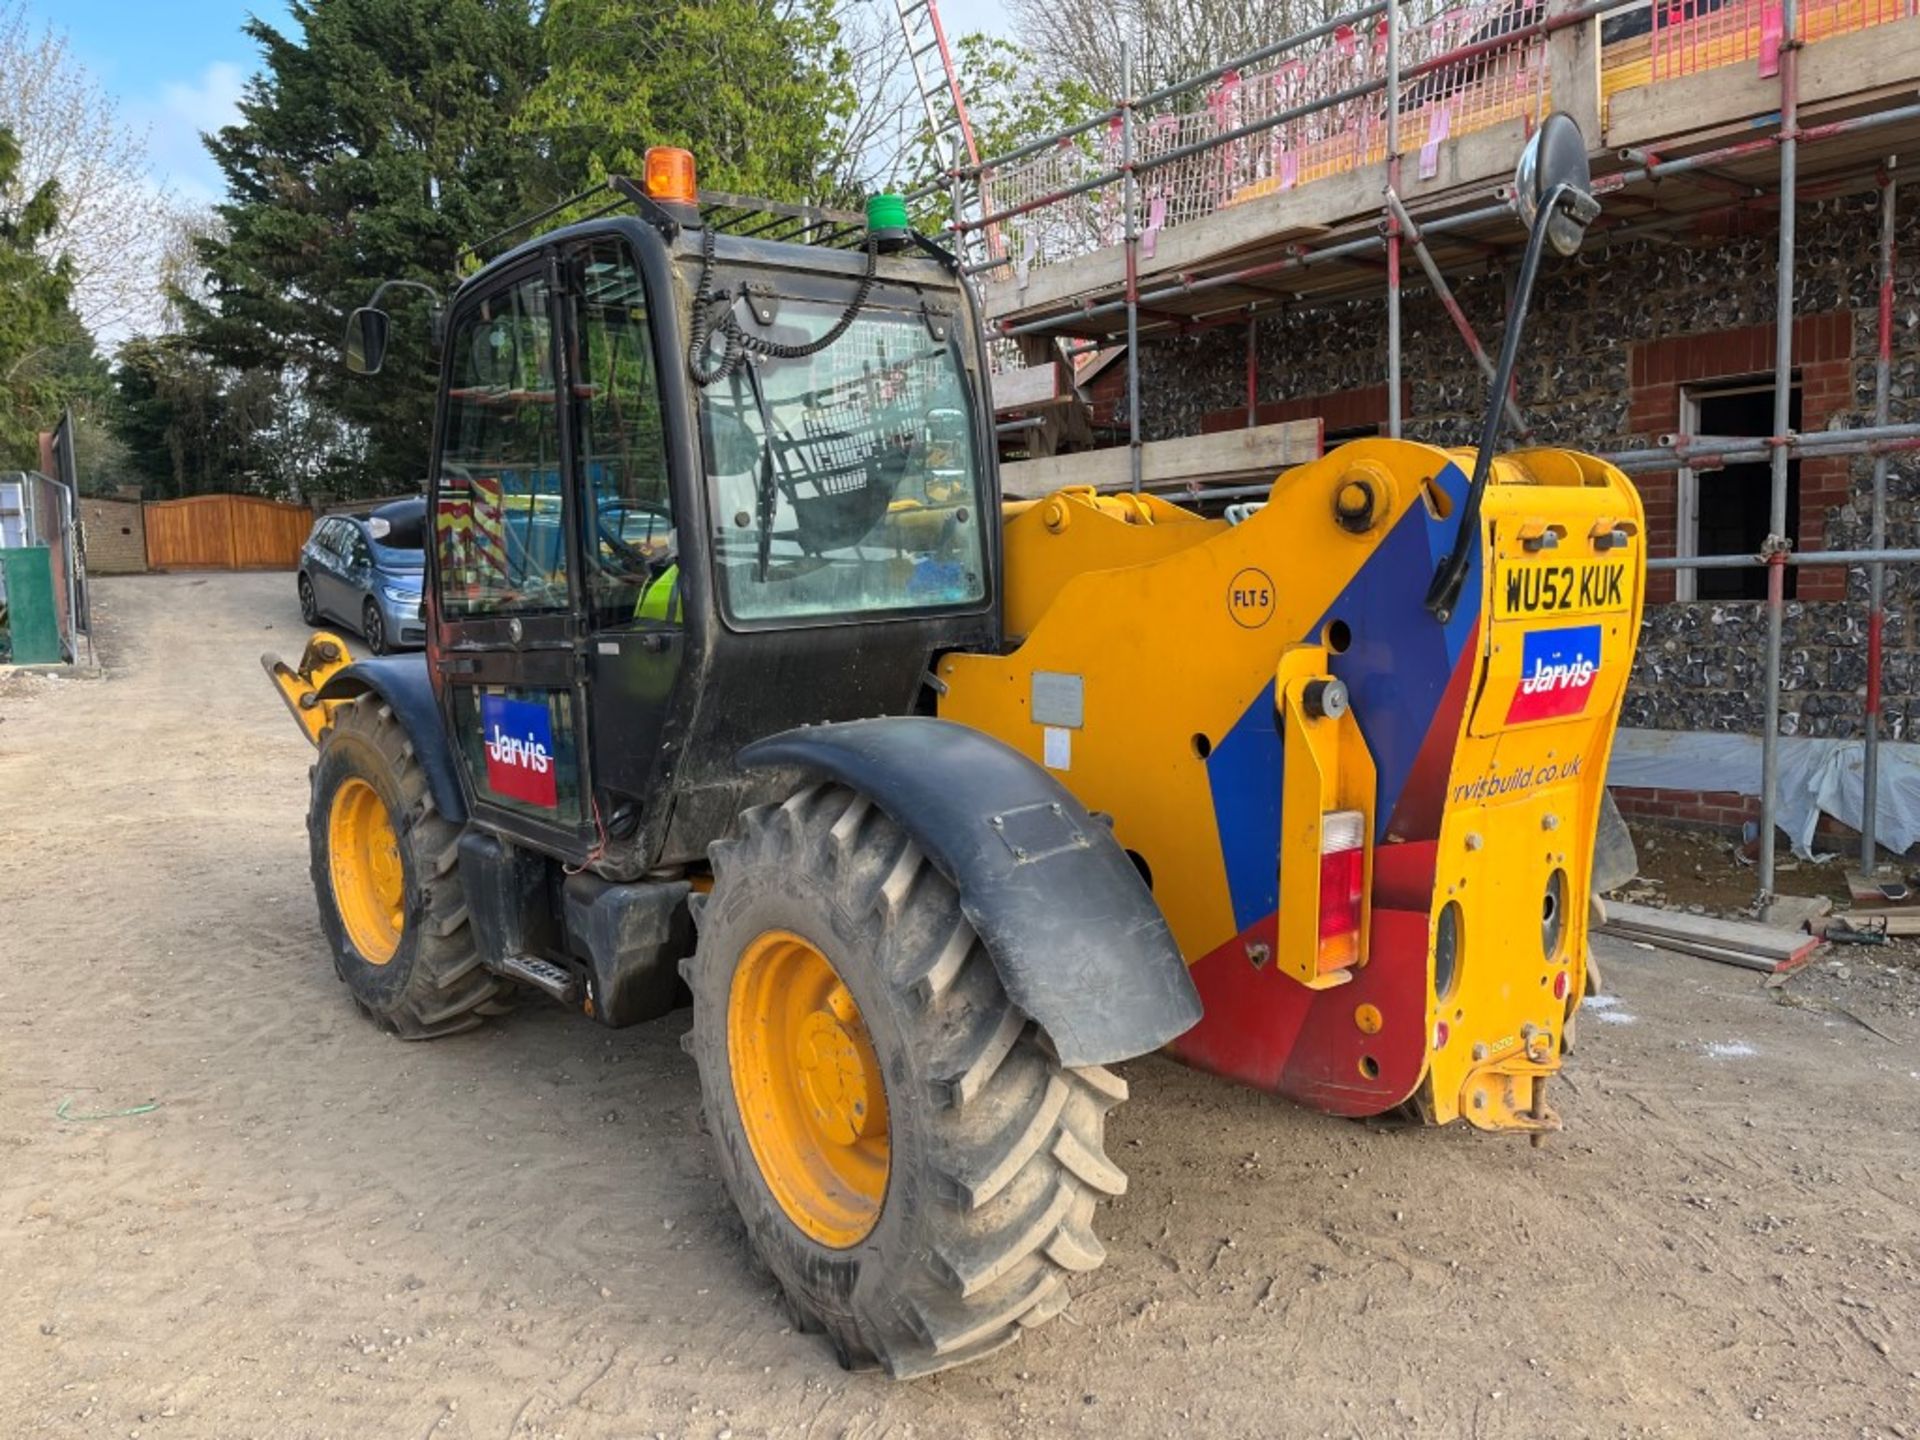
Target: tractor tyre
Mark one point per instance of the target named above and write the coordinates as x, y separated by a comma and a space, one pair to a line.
911, 1159
387, 877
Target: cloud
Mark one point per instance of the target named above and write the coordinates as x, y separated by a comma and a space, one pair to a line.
176, 119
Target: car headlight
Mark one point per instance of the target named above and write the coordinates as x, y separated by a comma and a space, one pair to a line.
399, 596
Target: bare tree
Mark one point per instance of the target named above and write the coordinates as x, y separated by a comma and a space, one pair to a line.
115, 221
1173, 40
879, 135
179, 273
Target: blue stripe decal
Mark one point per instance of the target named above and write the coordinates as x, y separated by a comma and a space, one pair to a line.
1396, 671
1244, 774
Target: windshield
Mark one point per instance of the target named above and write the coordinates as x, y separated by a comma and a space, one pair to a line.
846, 482
399, 557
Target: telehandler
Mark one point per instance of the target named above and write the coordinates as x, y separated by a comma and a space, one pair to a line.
744, 687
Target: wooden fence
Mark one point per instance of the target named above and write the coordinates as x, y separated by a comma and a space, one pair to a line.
225, 532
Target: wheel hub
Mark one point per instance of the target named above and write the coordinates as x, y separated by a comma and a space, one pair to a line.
834, 1074
810, 1089
369, 880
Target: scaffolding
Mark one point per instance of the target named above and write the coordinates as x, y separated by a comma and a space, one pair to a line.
1374, 87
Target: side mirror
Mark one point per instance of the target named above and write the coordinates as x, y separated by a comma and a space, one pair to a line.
366, 344
1553, 195
1555, 160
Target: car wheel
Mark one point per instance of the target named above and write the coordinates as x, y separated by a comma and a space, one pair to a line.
309, 606
373, 628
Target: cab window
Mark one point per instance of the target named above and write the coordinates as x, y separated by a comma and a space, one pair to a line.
846, 482
627, 517
497, 513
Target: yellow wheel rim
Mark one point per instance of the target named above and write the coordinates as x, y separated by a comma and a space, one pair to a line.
363, 859
809, 1088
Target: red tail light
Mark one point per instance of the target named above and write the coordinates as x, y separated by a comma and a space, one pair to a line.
1343, 860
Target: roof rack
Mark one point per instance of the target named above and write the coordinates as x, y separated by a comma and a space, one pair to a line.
743, 215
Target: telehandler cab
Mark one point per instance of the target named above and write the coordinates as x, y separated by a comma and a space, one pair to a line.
742, 681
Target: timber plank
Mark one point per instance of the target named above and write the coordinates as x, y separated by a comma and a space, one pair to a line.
1258, 453
1705, 930
1028, 387
1897, 920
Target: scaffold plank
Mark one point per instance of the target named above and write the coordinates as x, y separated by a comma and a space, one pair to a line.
1842, 66
1260, 452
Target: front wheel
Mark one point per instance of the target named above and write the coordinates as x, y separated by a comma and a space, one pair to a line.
373, 628
387, 877
913, 1162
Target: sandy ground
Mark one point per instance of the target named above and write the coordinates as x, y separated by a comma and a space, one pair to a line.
321, 1231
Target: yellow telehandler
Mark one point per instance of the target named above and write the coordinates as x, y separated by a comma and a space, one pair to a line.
743, 688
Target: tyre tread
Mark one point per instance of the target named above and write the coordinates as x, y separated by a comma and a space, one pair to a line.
448, 991
1017, 1153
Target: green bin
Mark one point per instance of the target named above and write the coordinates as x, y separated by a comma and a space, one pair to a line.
32, 608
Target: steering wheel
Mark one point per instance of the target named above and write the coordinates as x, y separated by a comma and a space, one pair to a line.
610, 517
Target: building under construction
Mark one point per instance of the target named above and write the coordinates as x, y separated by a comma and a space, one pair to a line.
1314, 243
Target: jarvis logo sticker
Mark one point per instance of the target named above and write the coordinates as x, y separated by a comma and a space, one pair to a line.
519, 739
1556, 673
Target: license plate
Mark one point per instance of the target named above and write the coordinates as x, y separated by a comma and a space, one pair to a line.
1560, 588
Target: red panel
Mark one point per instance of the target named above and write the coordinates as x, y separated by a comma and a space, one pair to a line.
1267, 1030
1336, 1066
1251, 1016
1403, 875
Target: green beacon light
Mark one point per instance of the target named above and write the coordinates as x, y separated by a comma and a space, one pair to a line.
887, 220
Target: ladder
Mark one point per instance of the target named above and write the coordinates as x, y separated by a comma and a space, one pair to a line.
948, 124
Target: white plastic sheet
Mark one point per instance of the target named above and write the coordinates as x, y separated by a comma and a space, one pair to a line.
1816, 776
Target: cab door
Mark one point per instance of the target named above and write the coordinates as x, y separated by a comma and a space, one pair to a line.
631, 506
505, 594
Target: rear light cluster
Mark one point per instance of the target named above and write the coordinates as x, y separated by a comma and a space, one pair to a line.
1343, 865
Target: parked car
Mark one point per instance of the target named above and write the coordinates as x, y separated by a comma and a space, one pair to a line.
365, 571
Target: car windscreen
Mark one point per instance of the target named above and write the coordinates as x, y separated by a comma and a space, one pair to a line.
399, 557
845, 482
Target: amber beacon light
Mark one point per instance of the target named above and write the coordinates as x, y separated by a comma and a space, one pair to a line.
670, 174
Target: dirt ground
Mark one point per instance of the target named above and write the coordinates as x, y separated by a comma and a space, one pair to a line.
311, 1229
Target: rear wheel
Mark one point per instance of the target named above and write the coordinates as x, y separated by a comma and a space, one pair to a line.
309, 606
387, 878
912, 1161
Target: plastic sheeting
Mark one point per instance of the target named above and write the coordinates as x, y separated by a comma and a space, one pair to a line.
1816, 776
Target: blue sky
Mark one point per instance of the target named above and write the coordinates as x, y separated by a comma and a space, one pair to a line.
177, 67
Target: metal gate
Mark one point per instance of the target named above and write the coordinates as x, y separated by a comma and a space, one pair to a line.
37, 526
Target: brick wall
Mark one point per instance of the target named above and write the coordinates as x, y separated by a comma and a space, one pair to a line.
1659, 370
1613, 336
1723, 810
115, 535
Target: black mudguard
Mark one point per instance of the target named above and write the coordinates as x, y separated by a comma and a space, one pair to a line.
402, 681
1078, 940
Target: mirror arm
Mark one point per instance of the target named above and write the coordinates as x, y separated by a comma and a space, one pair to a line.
1444, 593
436, 316
386, 285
